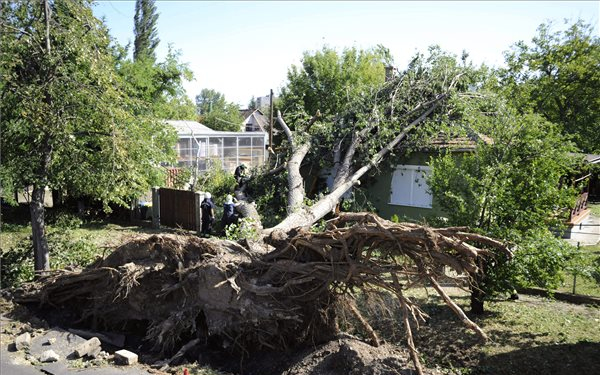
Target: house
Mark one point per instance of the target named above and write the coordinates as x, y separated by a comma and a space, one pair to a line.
199, 146
254, 120
404, 192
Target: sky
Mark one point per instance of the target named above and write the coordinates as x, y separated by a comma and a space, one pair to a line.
245, 48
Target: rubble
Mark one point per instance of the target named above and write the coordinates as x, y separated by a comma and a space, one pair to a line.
125, 357
49, 356
23, 341
91, 348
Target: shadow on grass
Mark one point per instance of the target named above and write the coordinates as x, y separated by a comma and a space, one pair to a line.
579, 358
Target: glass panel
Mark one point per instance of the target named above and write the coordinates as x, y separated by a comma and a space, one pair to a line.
258, 153
215, 141
258, 141
230, 152
244, 151
229, 164
230, 142
244, 141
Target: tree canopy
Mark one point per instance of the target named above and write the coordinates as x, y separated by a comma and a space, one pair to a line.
216, 112
558, 76
67, 122
145, 31
512, 186
157, 87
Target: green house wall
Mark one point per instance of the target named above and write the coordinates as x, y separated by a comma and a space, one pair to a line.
379, 193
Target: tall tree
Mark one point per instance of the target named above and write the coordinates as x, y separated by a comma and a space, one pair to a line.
558, 76
66, 123
216, 112
512, 187
157, 86
146, 34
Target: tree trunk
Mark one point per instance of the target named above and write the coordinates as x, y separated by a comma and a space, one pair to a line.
38, 231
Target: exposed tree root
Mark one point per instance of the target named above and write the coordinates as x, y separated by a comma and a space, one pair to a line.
256, 296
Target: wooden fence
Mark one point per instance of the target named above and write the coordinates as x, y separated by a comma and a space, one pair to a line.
179, 208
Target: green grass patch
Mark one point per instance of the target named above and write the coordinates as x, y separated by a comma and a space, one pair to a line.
531, 335
71, 244
595, 209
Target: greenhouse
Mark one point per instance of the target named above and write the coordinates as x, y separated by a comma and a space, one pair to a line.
199, 146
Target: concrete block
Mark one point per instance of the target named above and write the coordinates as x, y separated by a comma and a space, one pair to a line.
125, 357
23, 341
49, 356
90, 348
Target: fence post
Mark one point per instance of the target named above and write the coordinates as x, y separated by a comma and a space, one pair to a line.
156, 207
198, 211
575, 275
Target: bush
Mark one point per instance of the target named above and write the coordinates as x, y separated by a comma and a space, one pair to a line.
65, 220
16, 264
216, 181
244, 229
67, 251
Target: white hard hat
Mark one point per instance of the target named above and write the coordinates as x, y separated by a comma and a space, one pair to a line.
207, 195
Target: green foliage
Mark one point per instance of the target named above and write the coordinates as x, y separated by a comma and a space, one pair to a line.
16, 264
67, 250
270, 194
328, 80
156, 88
510, 187
558, 76
244, 229
146, 35
216, 113
67, 123
216, 181
65, 220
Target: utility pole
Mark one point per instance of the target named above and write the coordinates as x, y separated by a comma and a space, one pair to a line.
271, 122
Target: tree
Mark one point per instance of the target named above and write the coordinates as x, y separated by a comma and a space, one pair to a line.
146, 34
558, 76
157, 86
216, 113
512, 187
67, 124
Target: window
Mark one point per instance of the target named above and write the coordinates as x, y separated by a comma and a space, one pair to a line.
409, 186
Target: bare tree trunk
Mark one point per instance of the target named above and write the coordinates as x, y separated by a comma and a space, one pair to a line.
38, 230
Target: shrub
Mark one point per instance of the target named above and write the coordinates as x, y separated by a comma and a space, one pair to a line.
16, 264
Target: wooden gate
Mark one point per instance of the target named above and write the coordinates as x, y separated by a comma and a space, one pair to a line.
178, 209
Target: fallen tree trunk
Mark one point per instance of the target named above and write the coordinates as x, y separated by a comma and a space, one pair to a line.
247, 296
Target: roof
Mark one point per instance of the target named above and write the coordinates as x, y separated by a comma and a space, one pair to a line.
466, 143
586, 158
194, 128
259, 118
185, 127
592, 159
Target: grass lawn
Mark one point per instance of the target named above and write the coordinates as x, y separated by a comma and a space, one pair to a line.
531, 335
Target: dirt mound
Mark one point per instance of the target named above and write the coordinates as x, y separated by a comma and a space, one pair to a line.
349, 356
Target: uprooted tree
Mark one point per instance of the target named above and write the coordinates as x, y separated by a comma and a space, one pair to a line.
281, 290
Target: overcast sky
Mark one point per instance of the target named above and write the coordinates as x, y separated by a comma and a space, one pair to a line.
244, 48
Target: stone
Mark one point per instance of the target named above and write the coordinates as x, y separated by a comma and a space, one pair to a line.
125, 357
23, 341
90, 348
49, 356
50, 341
